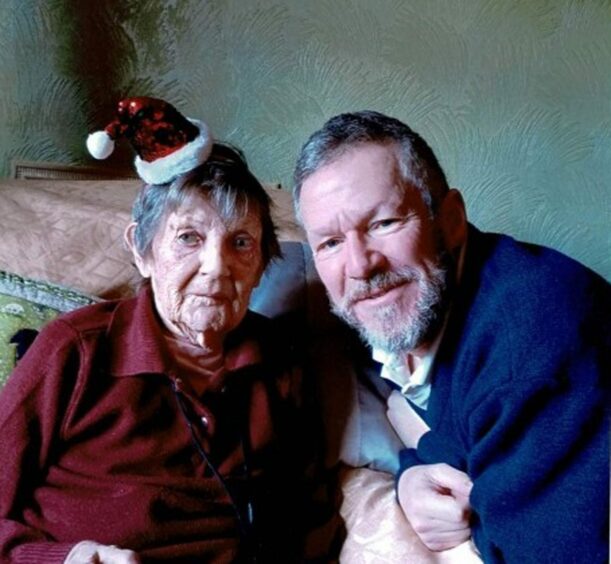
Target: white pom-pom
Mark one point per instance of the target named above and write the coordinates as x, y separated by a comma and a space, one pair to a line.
100, 145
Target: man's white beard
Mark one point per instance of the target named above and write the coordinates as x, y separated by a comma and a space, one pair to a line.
393, 331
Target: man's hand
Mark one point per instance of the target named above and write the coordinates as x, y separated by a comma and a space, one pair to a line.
435, 500
89, 552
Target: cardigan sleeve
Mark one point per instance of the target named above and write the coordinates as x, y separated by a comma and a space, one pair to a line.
31, 407
433, 448
539, 464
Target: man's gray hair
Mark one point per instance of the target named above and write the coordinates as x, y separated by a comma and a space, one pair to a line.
225, 181
417, 162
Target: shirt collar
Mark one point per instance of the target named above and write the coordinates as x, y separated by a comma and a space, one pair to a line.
138, 347
135, 338
416, 385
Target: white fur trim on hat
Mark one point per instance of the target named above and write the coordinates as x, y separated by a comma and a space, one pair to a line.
164, 169
100, 145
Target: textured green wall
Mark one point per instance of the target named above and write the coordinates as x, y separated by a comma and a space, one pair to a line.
514, 95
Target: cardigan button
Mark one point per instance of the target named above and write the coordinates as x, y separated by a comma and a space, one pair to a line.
205, 421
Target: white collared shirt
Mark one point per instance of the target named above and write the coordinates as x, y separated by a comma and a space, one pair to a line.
416, 385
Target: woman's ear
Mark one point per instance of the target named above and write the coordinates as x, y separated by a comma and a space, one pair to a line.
453, 220
141, 262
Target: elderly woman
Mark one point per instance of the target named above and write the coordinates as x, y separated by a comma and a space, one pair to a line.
161, 428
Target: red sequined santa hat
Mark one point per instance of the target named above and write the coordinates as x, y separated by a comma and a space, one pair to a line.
166, 142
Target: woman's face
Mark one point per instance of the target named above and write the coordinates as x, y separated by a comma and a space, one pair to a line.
203, 269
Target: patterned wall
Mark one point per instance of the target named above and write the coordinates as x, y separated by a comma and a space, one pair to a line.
514, 95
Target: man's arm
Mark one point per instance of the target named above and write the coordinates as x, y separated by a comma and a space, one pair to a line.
539, 463
433, 497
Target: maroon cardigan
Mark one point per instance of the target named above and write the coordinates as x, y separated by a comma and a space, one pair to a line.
95, 445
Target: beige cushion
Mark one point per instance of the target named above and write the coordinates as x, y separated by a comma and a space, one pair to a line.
377, 531
25, 306
71, 232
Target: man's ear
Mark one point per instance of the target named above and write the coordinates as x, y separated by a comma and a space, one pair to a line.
141, 263
453, 219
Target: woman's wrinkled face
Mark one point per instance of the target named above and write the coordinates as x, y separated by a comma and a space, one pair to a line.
203, 269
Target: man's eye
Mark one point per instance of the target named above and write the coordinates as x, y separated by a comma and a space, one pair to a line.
188, 238
329, 245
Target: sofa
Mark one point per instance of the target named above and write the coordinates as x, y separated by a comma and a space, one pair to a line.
61, 247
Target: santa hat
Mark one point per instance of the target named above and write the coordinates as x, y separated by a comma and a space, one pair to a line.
166, 142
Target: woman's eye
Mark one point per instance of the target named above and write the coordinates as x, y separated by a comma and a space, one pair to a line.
244, 243
188, 238
384, 223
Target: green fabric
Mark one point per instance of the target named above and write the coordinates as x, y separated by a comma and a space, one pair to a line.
29, 304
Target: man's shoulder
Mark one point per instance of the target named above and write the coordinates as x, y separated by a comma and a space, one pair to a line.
524, 305
501, 251
528, 276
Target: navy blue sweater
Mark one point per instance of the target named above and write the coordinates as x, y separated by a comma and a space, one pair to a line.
519, 402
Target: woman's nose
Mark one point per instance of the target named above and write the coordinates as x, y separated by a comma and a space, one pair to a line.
213, 260
362, 259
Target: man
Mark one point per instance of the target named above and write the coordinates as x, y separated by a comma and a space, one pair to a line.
497, 350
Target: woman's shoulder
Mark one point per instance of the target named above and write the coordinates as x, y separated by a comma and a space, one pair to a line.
91, 317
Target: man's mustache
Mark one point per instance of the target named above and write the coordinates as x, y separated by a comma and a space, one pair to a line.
378, 283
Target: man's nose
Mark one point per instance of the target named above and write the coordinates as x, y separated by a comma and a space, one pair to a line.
362, 258
213, 260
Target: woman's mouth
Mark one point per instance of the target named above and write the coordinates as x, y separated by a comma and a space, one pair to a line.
209, 299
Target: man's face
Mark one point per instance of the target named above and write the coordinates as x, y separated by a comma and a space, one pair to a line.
378, 252
203, 269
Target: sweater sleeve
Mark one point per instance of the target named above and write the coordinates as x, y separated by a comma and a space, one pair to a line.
433, 448
539, 464
31, 407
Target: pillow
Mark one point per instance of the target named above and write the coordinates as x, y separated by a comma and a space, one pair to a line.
25, 306
284, 285
377, 530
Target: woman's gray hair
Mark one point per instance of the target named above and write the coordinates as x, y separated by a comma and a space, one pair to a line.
225, 181
418, 164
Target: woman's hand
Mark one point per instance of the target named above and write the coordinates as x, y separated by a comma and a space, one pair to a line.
435, 500
89, 552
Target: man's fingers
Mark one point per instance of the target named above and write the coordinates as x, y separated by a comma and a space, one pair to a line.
437, 535
457, 482
442, 507
445, 540
421, 503
426, 495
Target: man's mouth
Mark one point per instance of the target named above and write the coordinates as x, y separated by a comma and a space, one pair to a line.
375, 294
